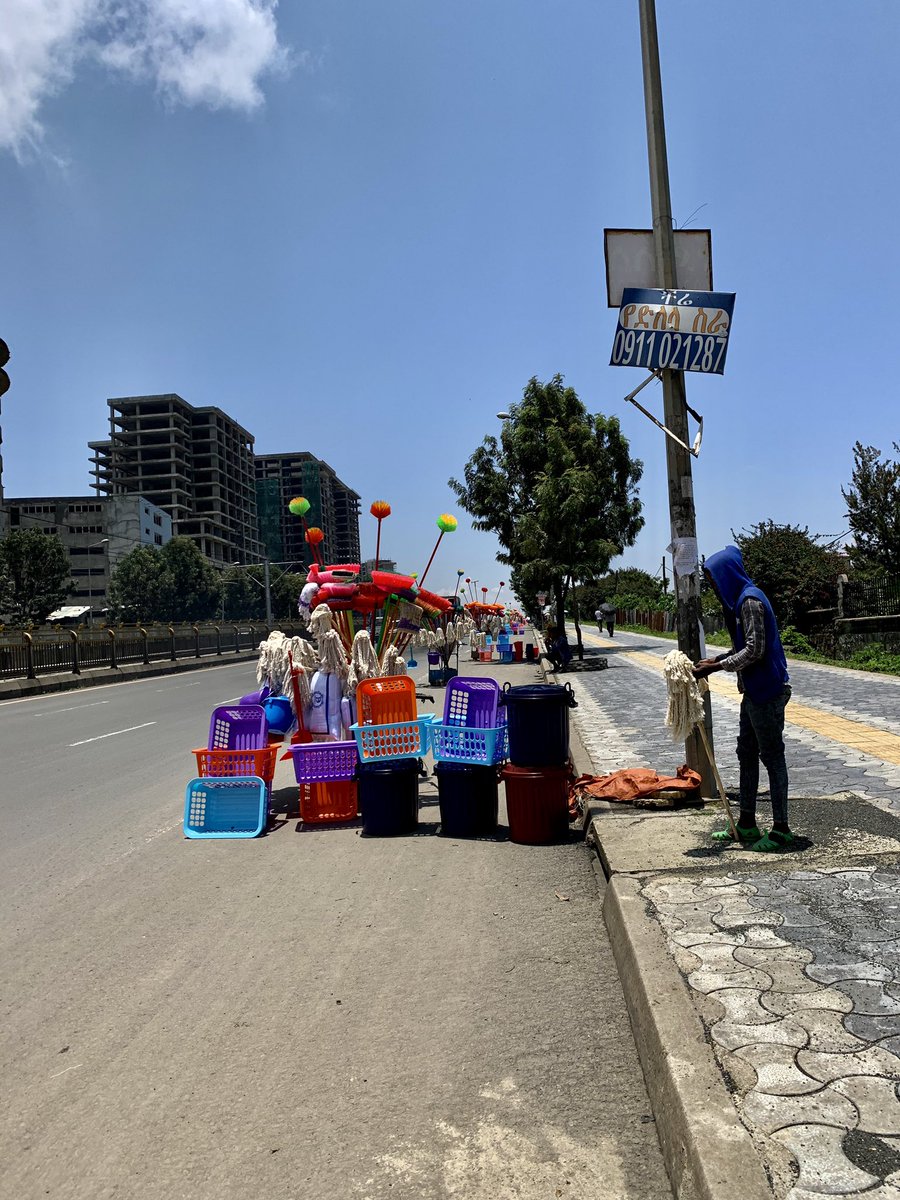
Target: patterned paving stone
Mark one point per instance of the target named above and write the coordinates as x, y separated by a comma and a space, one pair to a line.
786, 1032
870, 998
825, 1107
875, 1099
711, 981
826, 1031
874, 1029
776, 1070
743, 1006
824, 1168
782, 1003
828, 1067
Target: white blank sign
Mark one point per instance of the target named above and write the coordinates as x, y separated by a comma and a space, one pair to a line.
630, 261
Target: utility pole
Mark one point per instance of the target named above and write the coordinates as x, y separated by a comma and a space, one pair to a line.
268, 587
682, 518
665, 580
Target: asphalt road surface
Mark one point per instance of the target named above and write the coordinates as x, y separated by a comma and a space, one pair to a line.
309, 1014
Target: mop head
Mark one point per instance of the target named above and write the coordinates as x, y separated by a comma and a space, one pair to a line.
684, 711
363, 661
394, 663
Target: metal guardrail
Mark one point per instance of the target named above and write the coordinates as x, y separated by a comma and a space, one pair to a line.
30, 654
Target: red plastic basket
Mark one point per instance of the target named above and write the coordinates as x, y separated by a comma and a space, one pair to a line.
214, 764
321, 803
386, 701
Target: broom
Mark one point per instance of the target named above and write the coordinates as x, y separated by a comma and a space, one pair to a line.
685, 713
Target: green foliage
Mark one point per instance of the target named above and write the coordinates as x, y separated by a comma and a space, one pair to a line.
873, 510
795, 570
558, 489
628, 588
874, 657
36, 572
285, 594
175, 583
243, 594
795, 642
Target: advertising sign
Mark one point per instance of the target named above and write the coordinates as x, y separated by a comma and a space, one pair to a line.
661, 329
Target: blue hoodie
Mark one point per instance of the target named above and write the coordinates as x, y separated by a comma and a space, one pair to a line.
764, 680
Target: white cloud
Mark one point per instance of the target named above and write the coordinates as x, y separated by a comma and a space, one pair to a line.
210, 52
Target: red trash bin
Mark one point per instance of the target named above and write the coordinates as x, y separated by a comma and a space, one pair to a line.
537, 804
518, 651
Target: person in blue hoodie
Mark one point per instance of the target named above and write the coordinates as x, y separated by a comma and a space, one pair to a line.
758, 659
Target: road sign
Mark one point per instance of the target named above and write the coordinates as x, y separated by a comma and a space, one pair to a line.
542, 598
662, 329
631, 260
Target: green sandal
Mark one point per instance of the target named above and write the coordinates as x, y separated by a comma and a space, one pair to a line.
774, 840
751, 834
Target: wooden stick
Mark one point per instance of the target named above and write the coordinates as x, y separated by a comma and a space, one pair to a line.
732, 828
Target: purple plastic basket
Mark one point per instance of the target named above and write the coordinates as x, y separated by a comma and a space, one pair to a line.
472, 702
238, 727
320, 762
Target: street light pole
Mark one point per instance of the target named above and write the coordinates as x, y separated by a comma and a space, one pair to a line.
103, 541
682, 516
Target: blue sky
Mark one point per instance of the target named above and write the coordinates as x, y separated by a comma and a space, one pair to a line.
359, 228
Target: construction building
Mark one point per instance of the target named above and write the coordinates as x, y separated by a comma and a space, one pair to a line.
334, 508
95, 531
194, 463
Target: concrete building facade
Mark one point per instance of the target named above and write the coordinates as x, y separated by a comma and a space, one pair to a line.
334, 508
95, 531
194, 463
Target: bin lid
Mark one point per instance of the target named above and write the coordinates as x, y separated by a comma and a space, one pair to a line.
389, 766
553, 693
535, 772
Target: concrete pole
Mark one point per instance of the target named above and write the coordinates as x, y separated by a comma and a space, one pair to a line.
682, 518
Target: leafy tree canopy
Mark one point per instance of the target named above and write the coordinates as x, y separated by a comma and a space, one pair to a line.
793, 567
873, 510
36, 570
174, 583
559, 490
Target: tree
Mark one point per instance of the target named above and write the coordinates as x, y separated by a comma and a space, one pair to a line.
793, 567
175, 583
629, 587
243, 594
873, 510
285, 594
37, 571
558, 489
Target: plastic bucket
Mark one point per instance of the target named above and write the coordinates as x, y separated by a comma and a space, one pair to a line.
389, 797
530, 652
537, 716
518, 647
537, 804
468, 799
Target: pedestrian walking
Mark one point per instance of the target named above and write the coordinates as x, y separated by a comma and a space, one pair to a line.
758, 659
606, 615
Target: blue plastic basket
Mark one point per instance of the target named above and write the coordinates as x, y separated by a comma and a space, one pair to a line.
464, 744
403, 739
225, 808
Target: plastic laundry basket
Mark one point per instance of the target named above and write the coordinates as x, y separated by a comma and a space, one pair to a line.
472, 701
237, 727
225, 808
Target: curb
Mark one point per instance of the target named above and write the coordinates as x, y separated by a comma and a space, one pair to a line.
14, 689
708, 1153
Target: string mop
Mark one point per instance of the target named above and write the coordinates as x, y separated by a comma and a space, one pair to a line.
685, 713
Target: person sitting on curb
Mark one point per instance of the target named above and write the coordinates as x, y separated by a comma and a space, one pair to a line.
559, 652
762, 678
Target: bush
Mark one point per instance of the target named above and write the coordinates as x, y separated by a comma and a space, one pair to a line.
875, 657
795, 642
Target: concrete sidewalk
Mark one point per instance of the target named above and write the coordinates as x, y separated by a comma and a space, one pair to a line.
781, 971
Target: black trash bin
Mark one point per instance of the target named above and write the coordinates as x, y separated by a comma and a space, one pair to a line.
468, 798
389, 797
537, 718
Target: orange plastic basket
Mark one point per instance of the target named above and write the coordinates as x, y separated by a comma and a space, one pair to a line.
214, 764
386, 701
335, 800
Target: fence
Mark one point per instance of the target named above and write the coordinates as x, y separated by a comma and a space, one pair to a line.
30, 654
664, 622
872, 598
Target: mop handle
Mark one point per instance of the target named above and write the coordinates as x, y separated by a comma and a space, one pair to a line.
722, 793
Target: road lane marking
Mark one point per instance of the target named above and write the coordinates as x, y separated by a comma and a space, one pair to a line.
115, 733
75, 707
868, 739
121, 683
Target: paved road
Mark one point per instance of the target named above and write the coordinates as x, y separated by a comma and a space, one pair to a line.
310, 1013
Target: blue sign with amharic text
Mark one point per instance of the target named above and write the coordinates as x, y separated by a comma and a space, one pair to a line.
671, 329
